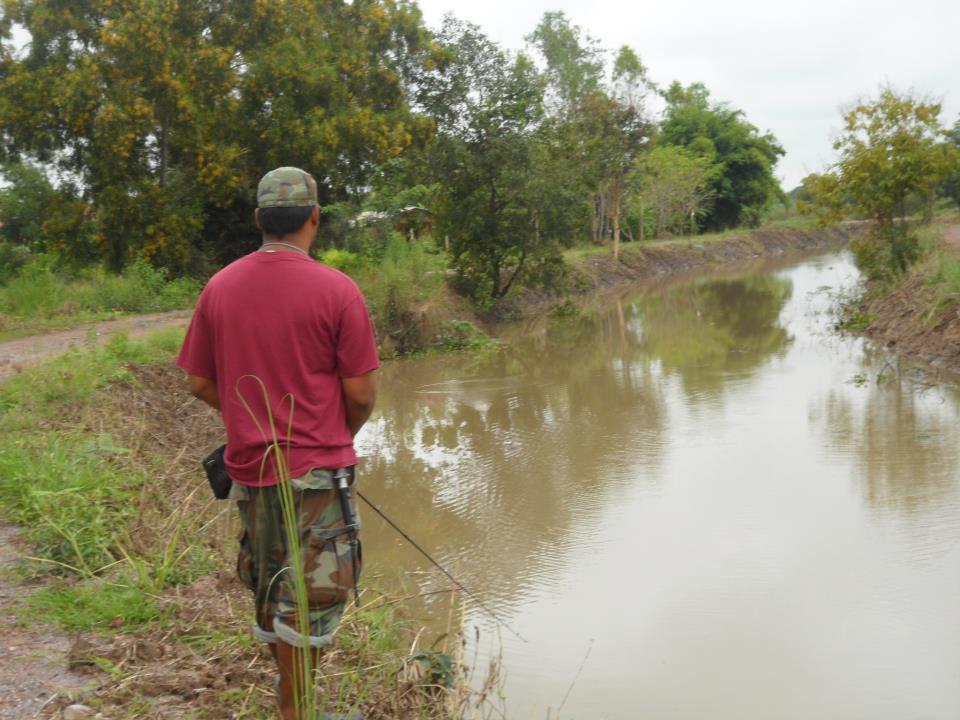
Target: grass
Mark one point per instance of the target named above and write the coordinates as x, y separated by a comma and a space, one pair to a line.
41, 297
406, 291
580, 251
98, 458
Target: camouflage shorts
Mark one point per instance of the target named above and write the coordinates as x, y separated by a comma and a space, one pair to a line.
331, 565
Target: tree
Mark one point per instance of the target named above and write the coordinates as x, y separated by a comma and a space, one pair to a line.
744, 184
604, 125
489, 109
168, 112
574, 61
674, 184
889, 150
613, 136
950, 185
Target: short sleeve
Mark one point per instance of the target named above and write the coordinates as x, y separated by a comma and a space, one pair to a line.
196, 355
356, 341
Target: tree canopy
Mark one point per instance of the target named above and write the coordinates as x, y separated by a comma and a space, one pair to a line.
168, 112
889, 150
743, 185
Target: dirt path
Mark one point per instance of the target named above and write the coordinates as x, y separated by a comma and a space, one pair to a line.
33, 661
951, 238
16, 354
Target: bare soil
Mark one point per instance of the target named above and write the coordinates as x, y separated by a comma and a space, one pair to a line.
911, 322
17, 354
33, 660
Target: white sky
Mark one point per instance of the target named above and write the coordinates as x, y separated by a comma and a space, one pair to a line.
789, 66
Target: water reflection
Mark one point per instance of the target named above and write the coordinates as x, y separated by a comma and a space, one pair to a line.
901, 436
714, 327
516, 455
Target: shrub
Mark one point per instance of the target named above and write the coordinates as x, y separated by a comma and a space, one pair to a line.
885, 252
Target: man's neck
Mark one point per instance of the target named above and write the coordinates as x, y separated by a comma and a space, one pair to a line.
271, 243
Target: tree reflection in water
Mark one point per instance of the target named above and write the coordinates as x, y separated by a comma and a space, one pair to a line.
903, 441
515, 454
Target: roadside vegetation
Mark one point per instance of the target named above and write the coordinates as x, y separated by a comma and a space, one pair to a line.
98, 465
898, 170
441, 201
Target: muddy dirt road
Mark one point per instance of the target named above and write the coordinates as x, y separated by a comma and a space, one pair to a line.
16, 354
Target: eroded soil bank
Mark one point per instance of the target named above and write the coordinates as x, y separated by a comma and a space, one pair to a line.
596, 272
915, 318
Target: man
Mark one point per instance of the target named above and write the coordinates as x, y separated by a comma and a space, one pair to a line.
279, 340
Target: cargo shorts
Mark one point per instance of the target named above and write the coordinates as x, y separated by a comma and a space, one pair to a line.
330, 562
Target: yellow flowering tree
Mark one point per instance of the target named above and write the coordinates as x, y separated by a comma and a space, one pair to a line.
167, 112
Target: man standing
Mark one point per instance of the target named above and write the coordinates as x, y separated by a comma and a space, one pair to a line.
284, 348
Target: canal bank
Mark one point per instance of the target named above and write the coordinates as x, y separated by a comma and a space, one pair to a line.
919, 316
594, 269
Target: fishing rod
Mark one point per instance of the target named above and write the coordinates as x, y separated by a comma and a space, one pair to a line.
441, 568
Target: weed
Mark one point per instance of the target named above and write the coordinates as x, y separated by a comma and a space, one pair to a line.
458, 335
854, 320
565, 309
95, 605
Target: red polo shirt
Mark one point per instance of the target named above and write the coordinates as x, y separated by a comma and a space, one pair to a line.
277, 331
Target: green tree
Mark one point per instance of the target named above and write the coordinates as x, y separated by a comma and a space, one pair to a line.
950, 185
168, 112
603, 125
744, 184
674, 185
574, 60
889, 151
489, 109
24, 204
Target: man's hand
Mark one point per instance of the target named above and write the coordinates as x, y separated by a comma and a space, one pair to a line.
205, 390
359, 395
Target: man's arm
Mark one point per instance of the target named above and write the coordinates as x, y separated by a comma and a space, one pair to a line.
205, 390
359, 394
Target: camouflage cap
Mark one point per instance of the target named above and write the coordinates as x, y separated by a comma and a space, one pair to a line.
287, 187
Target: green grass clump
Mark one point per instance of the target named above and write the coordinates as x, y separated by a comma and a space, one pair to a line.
946, 277
94, 605
406, 275
75, 492
70, 498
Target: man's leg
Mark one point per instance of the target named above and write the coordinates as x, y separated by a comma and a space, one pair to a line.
292, 693
329, 574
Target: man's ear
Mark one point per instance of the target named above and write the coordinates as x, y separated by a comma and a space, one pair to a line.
256, 218
315, 215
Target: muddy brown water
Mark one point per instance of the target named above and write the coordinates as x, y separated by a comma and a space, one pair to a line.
694, 501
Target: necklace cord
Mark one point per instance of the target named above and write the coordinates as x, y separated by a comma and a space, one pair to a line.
285, 244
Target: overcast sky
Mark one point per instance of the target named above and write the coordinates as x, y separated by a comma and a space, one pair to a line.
789, 66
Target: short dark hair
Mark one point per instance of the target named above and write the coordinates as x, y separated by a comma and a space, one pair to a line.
280, 221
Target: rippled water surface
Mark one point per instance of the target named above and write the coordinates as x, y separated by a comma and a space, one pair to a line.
694, 502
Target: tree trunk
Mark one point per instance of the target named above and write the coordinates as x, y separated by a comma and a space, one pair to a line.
615, 217
164, 155
594, 222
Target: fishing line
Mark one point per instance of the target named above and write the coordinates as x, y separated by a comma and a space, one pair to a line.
441, 568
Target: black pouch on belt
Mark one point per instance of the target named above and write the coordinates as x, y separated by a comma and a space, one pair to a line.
216, 468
